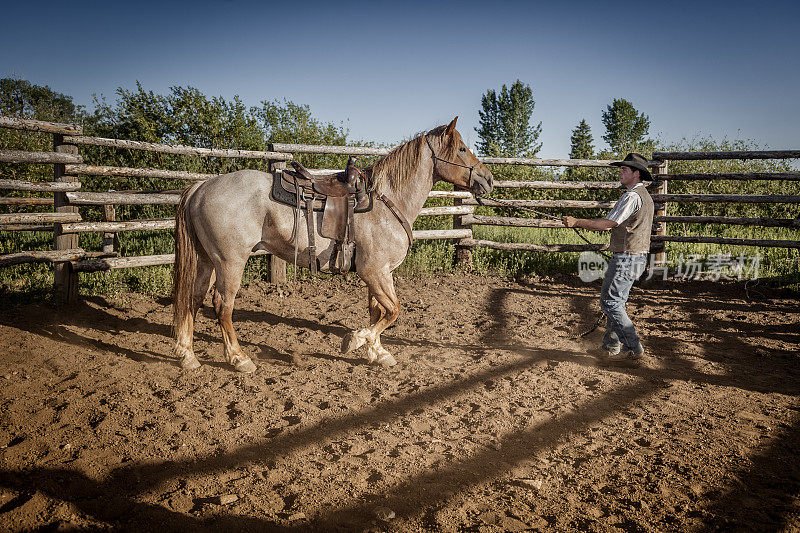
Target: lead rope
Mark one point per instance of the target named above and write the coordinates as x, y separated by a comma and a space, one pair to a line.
547, 215
534, 211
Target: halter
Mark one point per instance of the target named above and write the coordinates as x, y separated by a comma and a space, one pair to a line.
436, 158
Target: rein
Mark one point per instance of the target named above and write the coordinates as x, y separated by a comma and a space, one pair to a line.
392, 208
396, 212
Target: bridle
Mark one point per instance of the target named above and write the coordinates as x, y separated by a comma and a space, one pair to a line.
436, 158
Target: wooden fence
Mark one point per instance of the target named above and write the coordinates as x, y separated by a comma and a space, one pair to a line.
67, 224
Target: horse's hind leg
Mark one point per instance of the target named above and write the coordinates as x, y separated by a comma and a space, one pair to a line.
201, 283
384, 307
229, 279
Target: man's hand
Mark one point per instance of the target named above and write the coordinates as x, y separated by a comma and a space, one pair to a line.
595, 224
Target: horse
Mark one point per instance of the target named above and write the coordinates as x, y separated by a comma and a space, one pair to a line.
221, 221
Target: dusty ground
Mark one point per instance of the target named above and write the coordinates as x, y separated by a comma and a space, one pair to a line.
496, 418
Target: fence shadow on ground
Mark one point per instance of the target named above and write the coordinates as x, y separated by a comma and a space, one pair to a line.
115, 497
764, 495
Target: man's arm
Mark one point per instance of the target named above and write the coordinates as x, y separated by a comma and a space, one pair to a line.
596, 224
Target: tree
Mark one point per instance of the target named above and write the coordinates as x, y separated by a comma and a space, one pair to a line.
287, 122
626, 128
581, 147
505, 122
489, 130
581, 142
21, 98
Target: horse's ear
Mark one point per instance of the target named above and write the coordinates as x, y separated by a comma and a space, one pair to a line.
452, 126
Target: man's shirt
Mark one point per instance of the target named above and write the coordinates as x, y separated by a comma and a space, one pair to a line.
628, 204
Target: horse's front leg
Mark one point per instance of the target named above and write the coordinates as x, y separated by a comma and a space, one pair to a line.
384, 307
357, 338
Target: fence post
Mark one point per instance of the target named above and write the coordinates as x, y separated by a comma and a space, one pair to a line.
277, 266
65, 279
463, 256
661, 229
110, 240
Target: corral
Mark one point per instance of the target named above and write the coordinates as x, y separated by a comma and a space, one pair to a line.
495, 418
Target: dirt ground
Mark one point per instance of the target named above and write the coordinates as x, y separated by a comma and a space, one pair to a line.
495, 419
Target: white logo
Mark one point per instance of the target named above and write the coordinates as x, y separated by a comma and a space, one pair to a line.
591, 266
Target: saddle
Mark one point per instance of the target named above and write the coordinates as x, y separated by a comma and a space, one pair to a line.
338, 196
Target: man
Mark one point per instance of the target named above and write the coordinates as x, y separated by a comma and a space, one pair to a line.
630, 223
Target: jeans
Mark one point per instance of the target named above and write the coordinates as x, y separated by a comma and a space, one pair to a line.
623, 270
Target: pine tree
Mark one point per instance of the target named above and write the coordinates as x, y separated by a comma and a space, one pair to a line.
581, 147
505, 128
626, 128
489, 130
581, 142
516, 108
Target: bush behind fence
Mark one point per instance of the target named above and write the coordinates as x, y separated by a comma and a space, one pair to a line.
426, 257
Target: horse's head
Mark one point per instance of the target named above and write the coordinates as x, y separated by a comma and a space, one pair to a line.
456, 164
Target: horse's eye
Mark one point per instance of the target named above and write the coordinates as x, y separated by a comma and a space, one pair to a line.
462, 149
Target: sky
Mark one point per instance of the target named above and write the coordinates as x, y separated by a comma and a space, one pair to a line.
388, 70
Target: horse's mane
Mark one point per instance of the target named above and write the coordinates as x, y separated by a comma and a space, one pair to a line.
399, 166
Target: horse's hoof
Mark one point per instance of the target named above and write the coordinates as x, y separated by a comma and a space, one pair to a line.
351, 341
244, 365
190, 362
386, 360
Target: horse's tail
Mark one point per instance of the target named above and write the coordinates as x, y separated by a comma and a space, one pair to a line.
185, 269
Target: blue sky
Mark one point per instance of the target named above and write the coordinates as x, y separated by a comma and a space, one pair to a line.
388, 70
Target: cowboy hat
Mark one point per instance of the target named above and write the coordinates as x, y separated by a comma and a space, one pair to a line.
636, 162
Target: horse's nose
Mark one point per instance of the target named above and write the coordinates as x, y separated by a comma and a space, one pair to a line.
484, 183
489, 180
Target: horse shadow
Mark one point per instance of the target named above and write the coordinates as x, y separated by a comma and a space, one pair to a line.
97, 313
763, 495
113, 499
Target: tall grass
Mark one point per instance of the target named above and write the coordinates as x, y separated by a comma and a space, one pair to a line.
427, 258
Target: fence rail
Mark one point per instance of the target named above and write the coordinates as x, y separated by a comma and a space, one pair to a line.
718, 156
19, 156
45, 256
177, 149
564, 184
746, 176
603, 163
530, 247
66, 196
15, 123
727, 240
737, 221
126, 172
24, 200
121, 198
19, 185
38, 218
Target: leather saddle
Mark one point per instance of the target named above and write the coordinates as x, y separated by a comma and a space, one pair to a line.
338, 196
